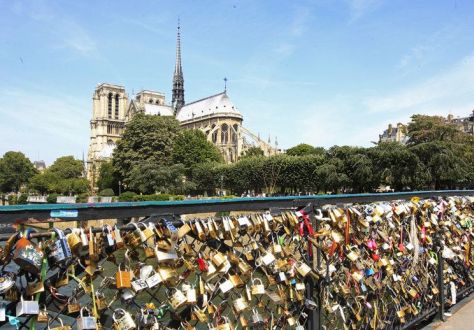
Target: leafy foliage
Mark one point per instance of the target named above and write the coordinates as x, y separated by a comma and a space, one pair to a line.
304, 149
15, 170
108, 177
146, 143
252, 152
64, 176
191, 147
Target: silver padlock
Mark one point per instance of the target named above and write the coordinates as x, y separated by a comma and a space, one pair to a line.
86, 322
123, 320
60, 252
27, 307
257, 318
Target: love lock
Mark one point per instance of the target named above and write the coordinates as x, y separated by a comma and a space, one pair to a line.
86, 322
123, 320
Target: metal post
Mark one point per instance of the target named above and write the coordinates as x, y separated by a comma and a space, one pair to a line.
314, 320
440, 284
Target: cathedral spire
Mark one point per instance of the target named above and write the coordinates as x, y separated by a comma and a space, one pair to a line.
178, 80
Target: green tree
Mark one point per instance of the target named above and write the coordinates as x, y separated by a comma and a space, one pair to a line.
329, 178
206, 177
360, 172
252, 152
147, 141
67, 167
64, 176
424, 129
15, 170
395, 165
148, 178
446, 152
304, 149
191, 147
108, 178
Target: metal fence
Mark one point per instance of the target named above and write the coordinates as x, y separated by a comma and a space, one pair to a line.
309, 309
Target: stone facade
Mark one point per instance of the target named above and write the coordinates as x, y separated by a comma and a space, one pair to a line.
215, 115
394, 134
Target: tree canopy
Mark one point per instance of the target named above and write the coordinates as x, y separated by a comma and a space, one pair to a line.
191, 147
147, 141
304, 149
64, 176
15, 171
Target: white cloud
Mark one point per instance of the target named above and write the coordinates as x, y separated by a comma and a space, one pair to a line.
450, 87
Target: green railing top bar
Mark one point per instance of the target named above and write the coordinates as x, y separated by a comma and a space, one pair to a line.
90, 211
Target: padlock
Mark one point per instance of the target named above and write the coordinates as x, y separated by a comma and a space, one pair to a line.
225, 325
7, 281
139, 285
303, 269
177, 299
73, 306
87, 322
200, 314
27, 255
108, 238
191, 295
162, 256
27, 307
43, 316
123, 320
218, 259
60, 252
266, 259
240, 304
118, 237
123, 278
257, 318
153, 280
257, 288
226, 286
74, 240
62, 327
93, 256
100, 301
34, 288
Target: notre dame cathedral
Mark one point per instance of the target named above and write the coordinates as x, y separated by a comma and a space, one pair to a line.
215, 115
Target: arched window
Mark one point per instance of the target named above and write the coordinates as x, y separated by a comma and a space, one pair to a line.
151, 101
116, 106
224, 133
109, 106
214, 134
157, 102
235, 133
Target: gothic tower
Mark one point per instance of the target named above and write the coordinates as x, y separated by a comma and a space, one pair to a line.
177, 100
109, 104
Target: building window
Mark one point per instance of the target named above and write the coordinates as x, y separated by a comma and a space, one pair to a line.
157, 102
116, 106
224, 133
109, 106
109, 129
214, 134
151, 101
234, 133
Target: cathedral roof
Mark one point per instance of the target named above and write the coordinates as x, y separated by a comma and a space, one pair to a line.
160, 110
215, 105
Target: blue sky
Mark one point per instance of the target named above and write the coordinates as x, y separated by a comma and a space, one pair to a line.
321, 72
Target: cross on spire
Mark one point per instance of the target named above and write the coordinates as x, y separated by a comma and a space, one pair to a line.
225, 84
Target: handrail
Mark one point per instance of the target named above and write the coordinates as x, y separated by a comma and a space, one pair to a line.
91, 211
